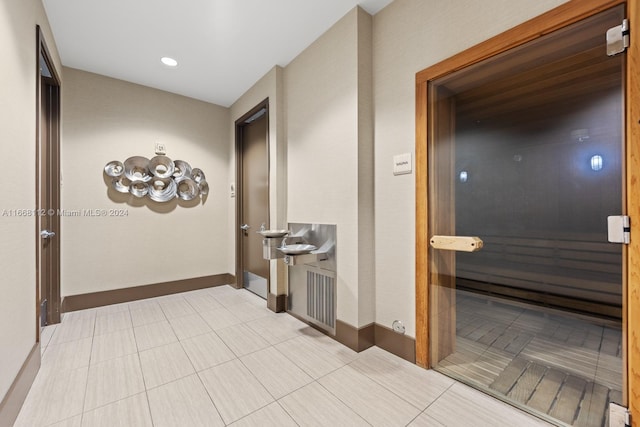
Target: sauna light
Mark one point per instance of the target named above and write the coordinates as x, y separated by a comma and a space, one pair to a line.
464, 176
596, 163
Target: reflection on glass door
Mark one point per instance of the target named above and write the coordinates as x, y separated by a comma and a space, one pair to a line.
527, 155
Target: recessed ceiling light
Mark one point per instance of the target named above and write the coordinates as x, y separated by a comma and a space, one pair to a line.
169, 62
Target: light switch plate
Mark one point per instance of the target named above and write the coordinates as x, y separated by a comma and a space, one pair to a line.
402, 164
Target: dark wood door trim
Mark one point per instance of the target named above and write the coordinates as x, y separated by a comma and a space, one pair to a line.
47, 90
571, 12
239, 125
568, 13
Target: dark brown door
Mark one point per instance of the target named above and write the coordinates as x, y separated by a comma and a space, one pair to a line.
254, 198
48, 191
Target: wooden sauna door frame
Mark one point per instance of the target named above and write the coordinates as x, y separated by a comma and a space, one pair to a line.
569, 13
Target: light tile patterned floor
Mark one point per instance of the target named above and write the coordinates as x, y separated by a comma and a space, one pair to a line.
218, 357
565, 365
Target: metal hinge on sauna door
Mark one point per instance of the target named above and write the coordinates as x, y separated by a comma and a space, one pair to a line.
619, 229
618, 38
619, 416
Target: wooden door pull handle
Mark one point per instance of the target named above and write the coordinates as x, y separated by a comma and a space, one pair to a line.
456, 243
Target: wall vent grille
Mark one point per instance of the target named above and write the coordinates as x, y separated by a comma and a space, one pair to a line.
321, 291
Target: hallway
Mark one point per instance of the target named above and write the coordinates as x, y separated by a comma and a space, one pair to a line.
218, 357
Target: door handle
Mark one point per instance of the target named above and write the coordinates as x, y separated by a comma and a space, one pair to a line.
46, 234
245, 227
457, 243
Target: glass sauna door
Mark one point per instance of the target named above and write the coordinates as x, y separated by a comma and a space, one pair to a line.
525, 153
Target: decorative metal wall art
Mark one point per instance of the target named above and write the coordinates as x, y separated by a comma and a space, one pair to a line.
161, 179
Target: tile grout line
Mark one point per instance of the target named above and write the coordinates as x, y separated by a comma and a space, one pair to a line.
86, 385
239, 358
287, 412
107, 360
385, 387
340, 400
144, 383
424, 411
210, 398
256, 378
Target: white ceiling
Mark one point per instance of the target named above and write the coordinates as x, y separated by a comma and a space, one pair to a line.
222, 46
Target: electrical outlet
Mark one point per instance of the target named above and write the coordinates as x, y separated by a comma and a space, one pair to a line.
161, 148
398, 327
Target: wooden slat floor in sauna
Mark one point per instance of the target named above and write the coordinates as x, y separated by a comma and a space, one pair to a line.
566, 367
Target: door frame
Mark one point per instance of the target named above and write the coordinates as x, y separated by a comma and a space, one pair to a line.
53, 290
239, 125
562, 16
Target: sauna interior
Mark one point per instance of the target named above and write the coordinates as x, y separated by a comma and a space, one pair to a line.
526, 153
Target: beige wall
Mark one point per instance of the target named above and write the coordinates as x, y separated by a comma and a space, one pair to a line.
410, 35
18, 20
328, 148
106, 119
366, 214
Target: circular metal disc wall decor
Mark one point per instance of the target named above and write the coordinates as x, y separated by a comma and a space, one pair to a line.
182, 168
121, 184
114, 168
204, 187
136, 168
161, 166
197, 175
161, 179
187, 188
162, 189
139, 189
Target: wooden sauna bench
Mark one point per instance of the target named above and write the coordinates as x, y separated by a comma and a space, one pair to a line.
578, 275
